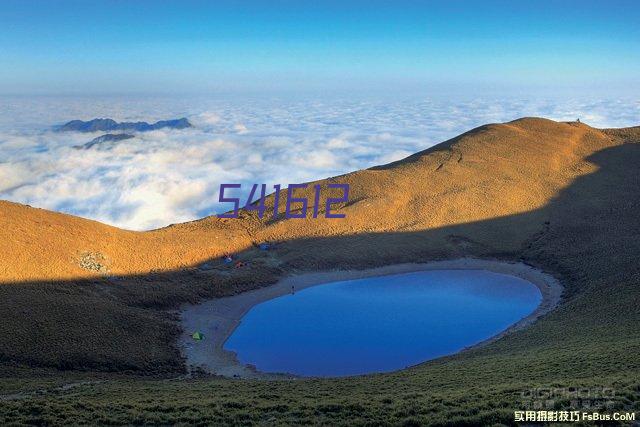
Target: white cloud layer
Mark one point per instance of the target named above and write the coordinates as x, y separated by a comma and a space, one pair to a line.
168, 176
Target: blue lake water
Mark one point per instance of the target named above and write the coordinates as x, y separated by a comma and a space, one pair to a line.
380, 324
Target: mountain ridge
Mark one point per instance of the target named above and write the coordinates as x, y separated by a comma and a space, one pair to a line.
466, 154
109, 125
107, 137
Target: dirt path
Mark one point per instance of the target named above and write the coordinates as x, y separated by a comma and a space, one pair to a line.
218, 318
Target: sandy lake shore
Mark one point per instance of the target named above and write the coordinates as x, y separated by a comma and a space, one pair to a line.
218, 318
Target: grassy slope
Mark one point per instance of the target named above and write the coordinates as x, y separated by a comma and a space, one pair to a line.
561, 196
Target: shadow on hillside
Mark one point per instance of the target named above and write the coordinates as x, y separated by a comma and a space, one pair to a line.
589, 231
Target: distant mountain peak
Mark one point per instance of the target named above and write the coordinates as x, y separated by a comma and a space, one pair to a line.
110, 125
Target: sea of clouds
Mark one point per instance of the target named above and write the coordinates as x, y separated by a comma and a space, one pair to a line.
169, 176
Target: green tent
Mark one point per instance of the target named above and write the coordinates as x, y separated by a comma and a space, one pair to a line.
198, 336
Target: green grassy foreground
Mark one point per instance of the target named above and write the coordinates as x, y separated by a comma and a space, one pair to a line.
457, 391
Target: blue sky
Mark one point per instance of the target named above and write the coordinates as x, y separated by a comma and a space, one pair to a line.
82, 47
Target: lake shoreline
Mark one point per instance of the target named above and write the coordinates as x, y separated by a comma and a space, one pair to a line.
218, 318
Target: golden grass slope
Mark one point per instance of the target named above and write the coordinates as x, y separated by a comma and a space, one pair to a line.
42, 245
492, 171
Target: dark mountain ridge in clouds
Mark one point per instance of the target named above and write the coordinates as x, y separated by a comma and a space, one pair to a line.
109, 125
108, 137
